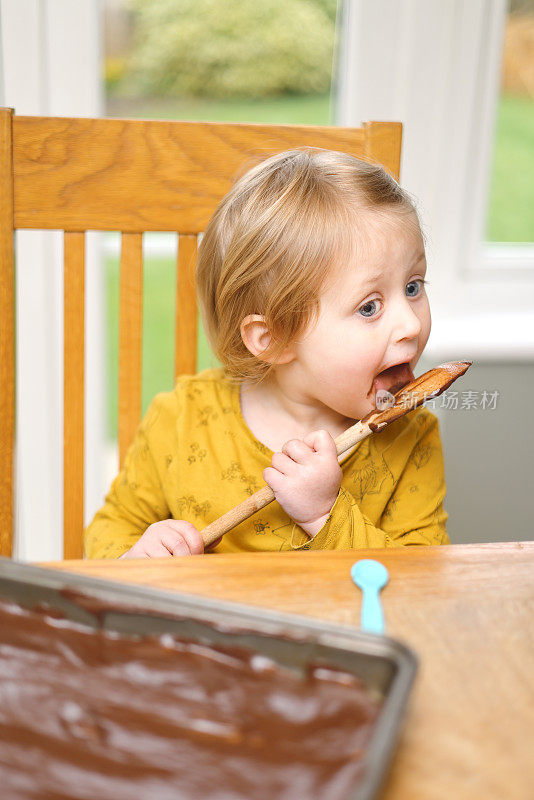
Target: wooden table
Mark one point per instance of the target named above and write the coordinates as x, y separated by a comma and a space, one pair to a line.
467, 610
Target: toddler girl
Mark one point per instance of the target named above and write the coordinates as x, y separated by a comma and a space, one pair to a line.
311, 282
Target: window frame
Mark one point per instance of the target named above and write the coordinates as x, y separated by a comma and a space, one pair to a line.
436, 67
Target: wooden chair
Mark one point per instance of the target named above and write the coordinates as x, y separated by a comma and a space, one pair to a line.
130, 176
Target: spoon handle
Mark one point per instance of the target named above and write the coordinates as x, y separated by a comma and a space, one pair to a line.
372, 619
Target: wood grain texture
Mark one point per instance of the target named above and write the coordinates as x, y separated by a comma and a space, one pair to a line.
226, 522
465, 609
185, 341
141, 175
73, 394
7, 334
130, 339
382, 145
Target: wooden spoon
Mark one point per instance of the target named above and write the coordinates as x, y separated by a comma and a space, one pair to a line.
430, 384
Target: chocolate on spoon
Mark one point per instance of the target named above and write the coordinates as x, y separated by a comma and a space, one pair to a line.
411, 395
407, 398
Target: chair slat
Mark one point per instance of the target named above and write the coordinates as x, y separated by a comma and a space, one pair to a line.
382, 145
73, 394
130, 339
7, 335
185, 343
142, 175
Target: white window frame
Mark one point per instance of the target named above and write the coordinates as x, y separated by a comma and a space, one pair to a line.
435, 66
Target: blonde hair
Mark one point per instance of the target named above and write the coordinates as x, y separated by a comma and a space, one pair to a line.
272, 242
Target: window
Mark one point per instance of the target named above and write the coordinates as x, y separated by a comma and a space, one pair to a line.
509, 231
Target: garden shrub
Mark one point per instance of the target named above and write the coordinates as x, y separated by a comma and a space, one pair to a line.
235, 48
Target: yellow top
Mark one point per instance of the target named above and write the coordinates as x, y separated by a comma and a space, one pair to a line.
194, 458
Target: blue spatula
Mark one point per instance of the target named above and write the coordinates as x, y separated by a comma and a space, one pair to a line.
370, 576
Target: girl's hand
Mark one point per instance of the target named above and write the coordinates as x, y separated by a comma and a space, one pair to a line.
305, 478
170, 537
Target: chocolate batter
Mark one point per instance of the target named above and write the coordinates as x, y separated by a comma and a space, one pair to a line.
91, 715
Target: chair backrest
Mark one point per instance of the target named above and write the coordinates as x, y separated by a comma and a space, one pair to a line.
129, 176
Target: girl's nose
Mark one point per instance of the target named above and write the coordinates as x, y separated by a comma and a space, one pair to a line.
408, 324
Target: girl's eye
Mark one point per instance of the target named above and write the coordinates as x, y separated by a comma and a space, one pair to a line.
370, 308
414, 287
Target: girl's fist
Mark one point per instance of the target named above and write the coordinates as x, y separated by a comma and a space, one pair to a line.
305, 478
170, 537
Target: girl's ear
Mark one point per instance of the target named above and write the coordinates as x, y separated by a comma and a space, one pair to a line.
257, 338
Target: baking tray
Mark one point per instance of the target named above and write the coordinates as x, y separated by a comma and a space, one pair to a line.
383, 664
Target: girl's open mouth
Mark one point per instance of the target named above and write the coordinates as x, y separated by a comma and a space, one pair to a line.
392, 379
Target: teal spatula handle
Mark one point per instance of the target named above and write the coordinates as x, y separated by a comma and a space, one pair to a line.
372, 619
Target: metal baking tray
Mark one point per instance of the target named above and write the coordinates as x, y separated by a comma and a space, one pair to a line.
383, 664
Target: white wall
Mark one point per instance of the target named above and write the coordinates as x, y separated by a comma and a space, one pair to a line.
51, 65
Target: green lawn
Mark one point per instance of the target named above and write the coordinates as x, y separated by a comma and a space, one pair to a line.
511, 217
511, 202
158, 333
291, 109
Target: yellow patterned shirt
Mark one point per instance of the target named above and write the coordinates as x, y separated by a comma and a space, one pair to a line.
194, 458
